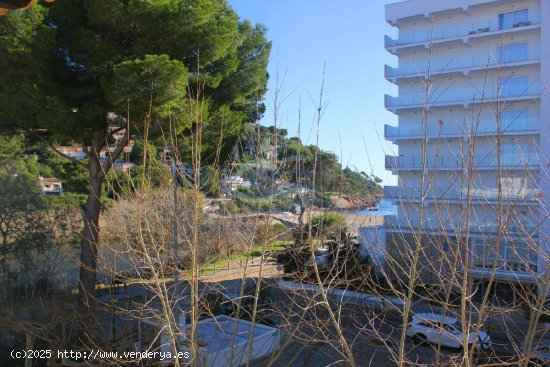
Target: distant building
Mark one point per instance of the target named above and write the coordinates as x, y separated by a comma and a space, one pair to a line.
73, 151
232, 183
50, 186
79, 152
167, 154
123, 166
119, 134
249, 149
271, 152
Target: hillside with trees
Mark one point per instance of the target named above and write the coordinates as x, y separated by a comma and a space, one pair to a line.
287, 160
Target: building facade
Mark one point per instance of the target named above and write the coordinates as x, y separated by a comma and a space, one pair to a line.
472, 138
50, 185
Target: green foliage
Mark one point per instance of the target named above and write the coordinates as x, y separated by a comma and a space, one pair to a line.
271, 233
74, 175
212, 186
153, 86
157, 175
329, 175
123, 183
138, 152
11, 150
353, 183
36, 235
328, 224
294, 148
248, 200
68, 200
19, 195
231, 208
343, 255
239, 87
67, 64
27, 59
245, 190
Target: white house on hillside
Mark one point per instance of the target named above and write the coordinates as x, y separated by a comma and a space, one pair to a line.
50, 185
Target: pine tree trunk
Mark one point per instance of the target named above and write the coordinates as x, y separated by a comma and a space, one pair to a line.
88, 257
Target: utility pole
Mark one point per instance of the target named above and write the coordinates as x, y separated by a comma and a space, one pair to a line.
176, 245
177, 307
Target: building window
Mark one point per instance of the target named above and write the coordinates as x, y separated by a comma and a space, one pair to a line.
515, 186
518, 18
514, 120
513, 52
512, 256
514, 86
519, 153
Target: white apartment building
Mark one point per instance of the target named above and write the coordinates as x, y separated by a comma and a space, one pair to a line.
473, 147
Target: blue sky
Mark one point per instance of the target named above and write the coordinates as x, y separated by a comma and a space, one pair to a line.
347, 35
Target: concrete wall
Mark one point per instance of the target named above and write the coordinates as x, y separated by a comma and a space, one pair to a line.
373, 243
437, 261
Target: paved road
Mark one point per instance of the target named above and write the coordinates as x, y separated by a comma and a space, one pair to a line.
372, 332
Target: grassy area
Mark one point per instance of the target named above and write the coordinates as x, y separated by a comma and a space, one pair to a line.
254, 252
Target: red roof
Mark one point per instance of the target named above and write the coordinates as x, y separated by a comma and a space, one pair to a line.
50, 180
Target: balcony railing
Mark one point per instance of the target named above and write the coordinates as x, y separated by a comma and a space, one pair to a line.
461, 194
454, 129
464, 96
451, 32
416, 162
396, 223
456, 64
507, 160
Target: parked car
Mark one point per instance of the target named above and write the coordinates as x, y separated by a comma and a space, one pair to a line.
434, 328
541, 354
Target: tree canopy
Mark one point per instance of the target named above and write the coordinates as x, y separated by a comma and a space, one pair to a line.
67, 65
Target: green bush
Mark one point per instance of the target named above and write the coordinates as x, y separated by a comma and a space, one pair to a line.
328, 224
284, 205
230, 208
268, 234
67, 201
245, 190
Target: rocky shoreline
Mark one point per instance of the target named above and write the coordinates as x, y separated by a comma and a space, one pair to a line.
349, 203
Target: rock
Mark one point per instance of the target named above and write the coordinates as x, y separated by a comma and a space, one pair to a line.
348, 203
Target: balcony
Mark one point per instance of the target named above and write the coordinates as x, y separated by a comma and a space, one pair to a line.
403, 12
460, 195
415, 162
463, 33
462, 97
458, 228
463, 65
510, 161
520, 126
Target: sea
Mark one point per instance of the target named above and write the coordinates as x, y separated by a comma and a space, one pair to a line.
384, 207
